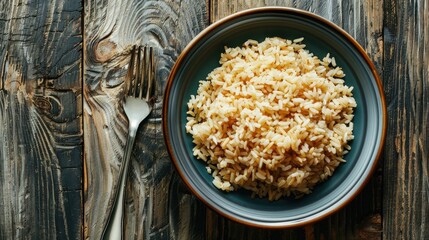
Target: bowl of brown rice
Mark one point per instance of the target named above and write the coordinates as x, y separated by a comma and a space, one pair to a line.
274, 117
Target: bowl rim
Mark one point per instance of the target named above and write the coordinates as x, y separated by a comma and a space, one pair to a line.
270, 9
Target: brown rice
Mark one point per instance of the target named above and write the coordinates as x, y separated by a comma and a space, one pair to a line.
273, 118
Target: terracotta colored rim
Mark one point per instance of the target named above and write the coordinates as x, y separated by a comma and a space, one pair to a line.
317, 18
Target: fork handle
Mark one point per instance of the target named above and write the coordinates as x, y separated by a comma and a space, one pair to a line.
114, 227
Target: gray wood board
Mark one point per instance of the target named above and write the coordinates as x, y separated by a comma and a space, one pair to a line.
40, 120
156, 208
406, 83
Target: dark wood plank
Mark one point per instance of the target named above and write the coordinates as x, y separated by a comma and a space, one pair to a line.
40, 120
157, 207
406, 80
362, 217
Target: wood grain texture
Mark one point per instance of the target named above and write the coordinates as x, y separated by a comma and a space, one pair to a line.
42, 103
361, 219
40, 120
406, 76
157, 207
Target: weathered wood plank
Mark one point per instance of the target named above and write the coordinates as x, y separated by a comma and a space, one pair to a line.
40, 120
364, 21
156, 206
222, 8
406, 178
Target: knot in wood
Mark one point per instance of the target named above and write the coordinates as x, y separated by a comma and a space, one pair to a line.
104, 50
42, 103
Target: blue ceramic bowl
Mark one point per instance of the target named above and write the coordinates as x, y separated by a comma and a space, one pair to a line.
202, 55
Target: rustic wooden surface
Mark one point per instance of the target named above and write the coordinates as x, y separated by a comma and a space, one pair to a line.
61, 83
406, 83
40, 120
157, 207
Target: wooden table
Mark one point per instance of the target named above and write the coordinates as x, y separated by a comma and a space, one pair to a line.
62, 128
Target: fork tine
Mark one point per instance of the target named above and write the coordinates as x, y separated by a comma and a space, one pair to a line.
142, 73
150, 76
137, 76
3, 71
131, 71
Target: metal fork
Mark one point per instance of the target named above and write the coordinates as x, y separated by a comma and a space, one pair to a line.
137, 105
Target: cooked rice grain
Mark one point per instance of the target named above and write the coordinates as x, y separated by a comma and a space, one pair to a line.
273, 118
